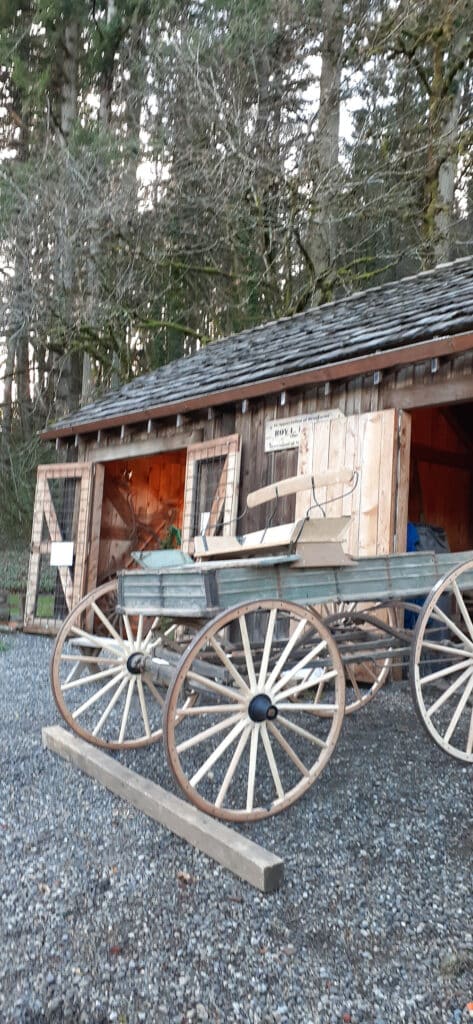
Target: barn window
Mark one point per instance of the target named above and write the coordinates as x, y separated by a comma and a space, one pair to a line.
211, 495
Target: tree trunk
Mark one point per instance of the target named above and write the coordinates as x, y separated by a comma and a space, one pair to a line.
69, 78
322, 242
450, 60
68, 366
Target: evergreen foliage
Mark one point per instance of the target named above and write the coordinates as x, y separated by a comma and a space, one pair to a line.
173, 172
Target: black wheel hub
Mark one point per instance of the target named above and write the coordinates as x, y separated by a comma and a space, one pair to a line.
260, 708
134, 663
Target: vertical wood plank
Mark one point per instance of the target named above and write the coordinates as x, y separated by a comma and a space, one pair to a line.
366, 443
402, 481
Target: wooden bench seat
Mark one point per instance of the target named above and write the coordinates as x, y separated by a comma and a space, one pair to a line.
317, 542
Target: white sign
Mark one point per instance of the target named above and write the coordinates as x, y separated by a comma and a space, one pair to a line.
279, 434
62, 553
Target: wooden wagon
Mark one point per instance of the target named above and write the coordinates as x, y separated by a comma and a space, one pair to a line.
246, 658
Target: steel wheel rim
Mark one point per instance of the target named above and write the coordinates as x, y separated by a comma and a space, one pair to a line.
441, 667
234, 746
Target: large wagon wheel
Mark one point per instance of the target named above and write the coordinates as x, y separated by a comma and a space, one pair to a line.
95, 681
366, 639
441, 666
261, 732
367, 636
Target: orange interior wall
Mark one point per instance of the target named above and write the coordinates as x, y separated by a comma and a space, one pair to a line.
143, 497
441, 480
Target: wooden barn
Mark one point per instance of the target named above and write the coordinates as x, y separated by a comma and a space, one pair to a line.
380, 382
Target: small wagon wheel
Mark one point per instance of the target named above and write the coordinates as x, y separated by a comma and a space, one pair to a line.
366, 639
262, 730
95, 681
441, 665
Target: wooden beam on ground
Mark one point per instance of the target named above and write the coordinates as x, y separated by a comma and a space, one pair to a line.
246, 859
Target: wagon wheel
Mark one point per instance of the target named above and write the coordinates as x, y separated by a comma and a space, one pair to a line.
441, 666
94, 679
358, 629
261, 733
366, 643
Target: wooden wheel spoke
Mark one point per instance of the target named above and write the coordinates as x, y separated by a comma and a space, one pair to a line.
367, 667
268, 640
459, 711
126, 710
287, 676
230, 772
306, 684
293, 640
144, 709
212, 730
321, 710
111, 704
139, 632
462, 606
217, 753
99, 642
250, 789
288, 749
92, 678
250, 667
454, 628
350, 669
153, 689
301, 732
442, 672
148, 643
97, 696
230, 667
128, 630
88, 659
204, 683
207, 709
106, 622
449, 692
457, 652
271, 761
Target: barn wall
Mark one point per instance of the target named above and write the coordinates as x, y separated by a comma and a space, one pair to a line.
420, 386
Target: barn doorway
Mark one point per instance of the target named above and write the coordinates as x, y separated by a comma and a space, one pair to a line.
143, 501
441, 472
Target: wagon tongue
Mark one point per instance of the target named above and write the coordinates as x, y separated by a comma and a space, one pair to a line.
260, 708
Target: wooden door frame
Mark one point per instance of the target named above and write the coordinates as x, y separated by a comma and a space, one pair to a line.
87, 536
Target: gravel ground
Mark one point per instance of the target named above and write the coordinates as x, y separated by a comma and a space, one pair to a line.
107, 917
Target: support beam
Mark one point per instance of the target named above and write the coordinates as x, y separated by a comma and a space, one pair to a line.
246, 859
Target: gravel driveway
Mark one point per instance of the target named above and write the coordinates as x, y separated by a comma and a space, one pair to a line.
107, 917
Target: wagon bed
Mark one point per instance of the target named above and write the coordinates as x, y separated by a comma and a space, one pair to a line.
201, 590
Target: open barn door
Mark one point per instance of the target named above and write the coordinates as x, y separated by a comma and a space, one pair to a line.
376, 445
211, 491
63, 543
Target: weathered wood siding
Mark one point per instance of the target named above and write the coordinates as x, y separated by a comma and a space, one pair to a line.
424, 385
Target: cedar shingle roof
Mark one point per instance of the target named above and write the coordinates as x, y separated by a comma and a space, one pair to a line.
434, 304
